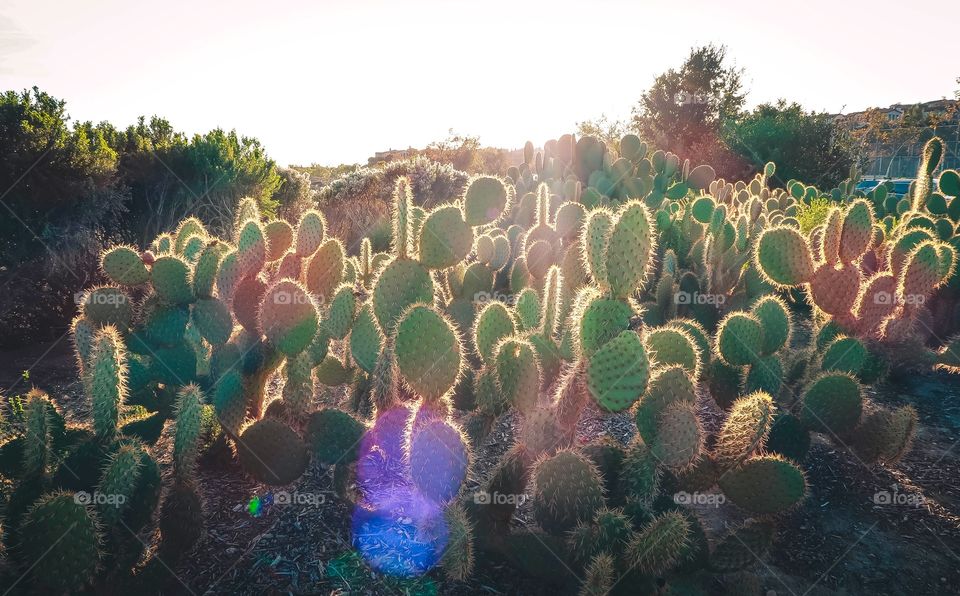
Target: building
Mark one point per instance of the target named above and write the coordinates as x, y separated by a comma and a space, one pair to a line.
893, 137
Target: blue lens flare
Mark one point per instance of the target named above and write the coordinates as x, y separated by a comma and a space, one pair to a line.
396, 529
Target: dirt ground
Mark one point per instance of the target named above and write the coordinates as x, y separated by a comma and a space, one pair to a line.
842, 540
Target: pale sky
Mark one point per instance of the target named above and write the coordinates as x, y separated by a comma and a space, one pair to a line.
334, 81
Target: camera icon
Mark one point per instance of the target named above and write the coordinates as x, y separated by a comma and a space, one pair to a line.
282, 497
683, 298
82, 498
883, 298
282, 298
481, 498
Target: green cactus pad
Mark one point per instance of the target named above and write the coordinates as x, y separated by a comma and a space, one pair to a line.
527, 308
213, 320
766, 375
399, 285
739, 339
323, 272
784, 258
123, 265
106, 381
493, 324
844, 354
272, 453
458, 559
181, 521
640, 475
617, 373
832, 404
672, 345
658, 547
775, 320
334, 436
885, 435
428, 352
188, 429
743, 547
601, 320
107, 305
517, 373
288, 317
567, 490
343, 308
765, 485
788, 437
669, 385
171, 279
366, 339
311, 230
445, 239
679, 439
745, 430
629, 249
64, 533
279, 238
484, 200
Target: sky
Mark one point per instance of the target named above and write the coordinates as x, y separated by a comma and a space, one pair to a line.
334, 81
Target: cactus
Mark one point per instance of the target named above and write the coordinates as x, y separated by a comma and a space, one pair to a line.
124, 266
334, 436
517, 373
832, 404
765, 485
438, 460
618, 372
66, 531
189, 427
458, 558
568, 490
657, 548
106, 381
272, 452
445, 239
428, 352
745, 430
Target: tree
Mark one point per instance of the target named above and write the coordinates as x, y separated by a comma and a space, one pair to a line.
686, 107
608, 131
458, 150
806, 146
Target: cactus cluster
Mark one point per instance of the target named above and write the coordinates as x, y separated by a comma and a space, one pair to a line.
611, 280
